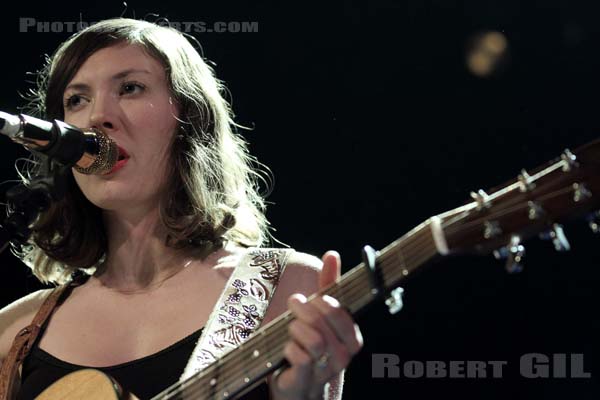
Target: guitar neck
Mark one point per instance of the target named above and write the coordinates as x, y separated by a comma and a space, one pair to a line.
244, 368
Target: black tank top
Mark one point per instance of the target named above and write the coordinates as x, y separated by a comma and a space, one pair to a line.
144, 377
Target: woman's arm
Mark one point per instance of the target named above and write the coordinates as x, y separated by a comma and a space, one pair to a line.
18, 315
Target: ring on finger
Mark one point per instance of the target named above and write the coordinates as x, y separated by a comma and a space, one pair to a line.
323, 361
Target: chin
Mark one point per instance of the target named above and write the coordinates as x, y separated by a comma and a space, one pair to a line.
109, 197
114, 195
110, 204
123, 200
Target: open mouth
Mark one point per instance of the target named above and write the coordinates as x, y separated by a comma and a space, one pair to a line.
122, 158
122, 154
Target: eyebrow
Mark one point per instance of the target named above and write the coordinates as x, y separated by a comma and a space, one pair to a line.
116, 77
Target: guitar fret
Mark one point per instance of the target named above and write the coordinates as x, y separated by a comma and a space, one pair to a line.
420, 242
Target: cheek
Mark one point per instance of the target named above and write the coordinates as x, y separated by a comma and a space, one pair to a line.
88, 185
156, 134
160, 132
85, 186
78, 118
80, 179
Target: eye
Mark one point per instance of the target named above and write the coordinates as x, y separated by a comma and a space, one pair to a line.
73, 101
132, 88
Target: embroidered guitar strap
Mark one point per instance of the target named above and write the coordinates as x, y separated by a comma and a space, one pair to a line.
241, 307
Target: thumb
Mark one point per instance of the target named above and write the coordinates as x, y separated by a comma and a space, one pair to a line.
332, 266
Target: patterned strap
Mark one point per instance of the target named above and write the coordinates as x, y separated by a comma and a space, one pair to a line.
9, 374
241, 307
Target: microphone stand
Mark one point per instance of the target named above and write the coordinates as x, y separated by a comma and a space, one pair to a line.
26, 202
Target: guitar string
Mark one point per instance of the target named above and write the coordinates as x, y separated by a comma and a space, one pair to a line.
348, 290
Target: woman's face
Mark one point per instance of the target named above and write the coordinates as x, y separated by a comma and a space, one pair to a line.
123, 91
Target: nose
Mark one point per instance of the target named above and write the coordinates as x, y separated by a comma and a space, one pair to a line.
103, 113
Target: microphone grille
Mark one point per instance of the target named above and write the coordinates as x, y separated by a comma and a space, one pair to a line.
105, 157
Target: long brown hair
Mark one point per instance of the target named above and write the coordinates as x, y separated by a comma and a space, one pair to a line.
212, 194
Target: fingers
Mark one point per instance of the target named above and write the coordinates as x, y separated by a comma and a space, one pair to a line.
332, 266
310, 327
302, 377
346, 331
300, 381
292, 378
323, 326
309, 338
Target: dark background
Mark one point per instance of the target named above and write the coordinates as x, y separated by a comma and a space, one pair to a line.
371, 121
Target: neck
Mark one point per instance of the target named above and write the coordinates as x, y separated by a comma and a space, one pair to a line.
137, 257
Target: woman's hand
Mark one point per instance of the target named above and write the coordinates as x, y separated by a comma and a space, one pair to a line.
323, 339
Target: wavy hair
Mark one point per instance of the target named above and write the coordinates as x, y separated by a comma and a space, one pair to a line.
213, 187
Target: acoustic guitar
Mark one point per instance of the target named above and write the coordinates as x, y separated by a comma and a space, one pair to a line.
535, 203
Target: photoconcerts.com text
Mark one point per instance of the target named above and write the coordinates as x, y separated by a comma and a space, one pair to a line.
28, 24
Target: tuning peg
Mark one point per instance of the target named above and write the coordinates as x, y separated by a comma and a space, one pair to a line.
525, 181
535, 211
569, 160
557, 235
482, 199
580, 192
593, 220
394, 301
513, 252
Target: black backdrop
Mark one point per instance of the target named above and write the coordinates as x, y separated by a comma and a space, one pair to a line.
371, 121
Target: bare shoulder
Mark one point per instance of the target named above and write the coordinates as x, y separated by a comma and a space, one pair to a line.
18, 315
301, 269
301, 275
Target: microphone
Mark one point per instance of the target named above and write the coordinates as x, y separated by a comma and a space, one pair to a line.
89, 151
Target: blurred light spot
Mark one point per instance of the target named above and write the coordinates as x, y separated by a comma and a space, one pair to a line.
487, 53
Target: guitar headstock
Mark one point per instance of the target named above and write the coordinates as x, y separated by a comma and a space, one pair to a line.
537, 201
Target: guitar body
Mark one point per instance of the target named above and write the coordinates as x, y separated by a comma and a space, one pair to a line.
88, 384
